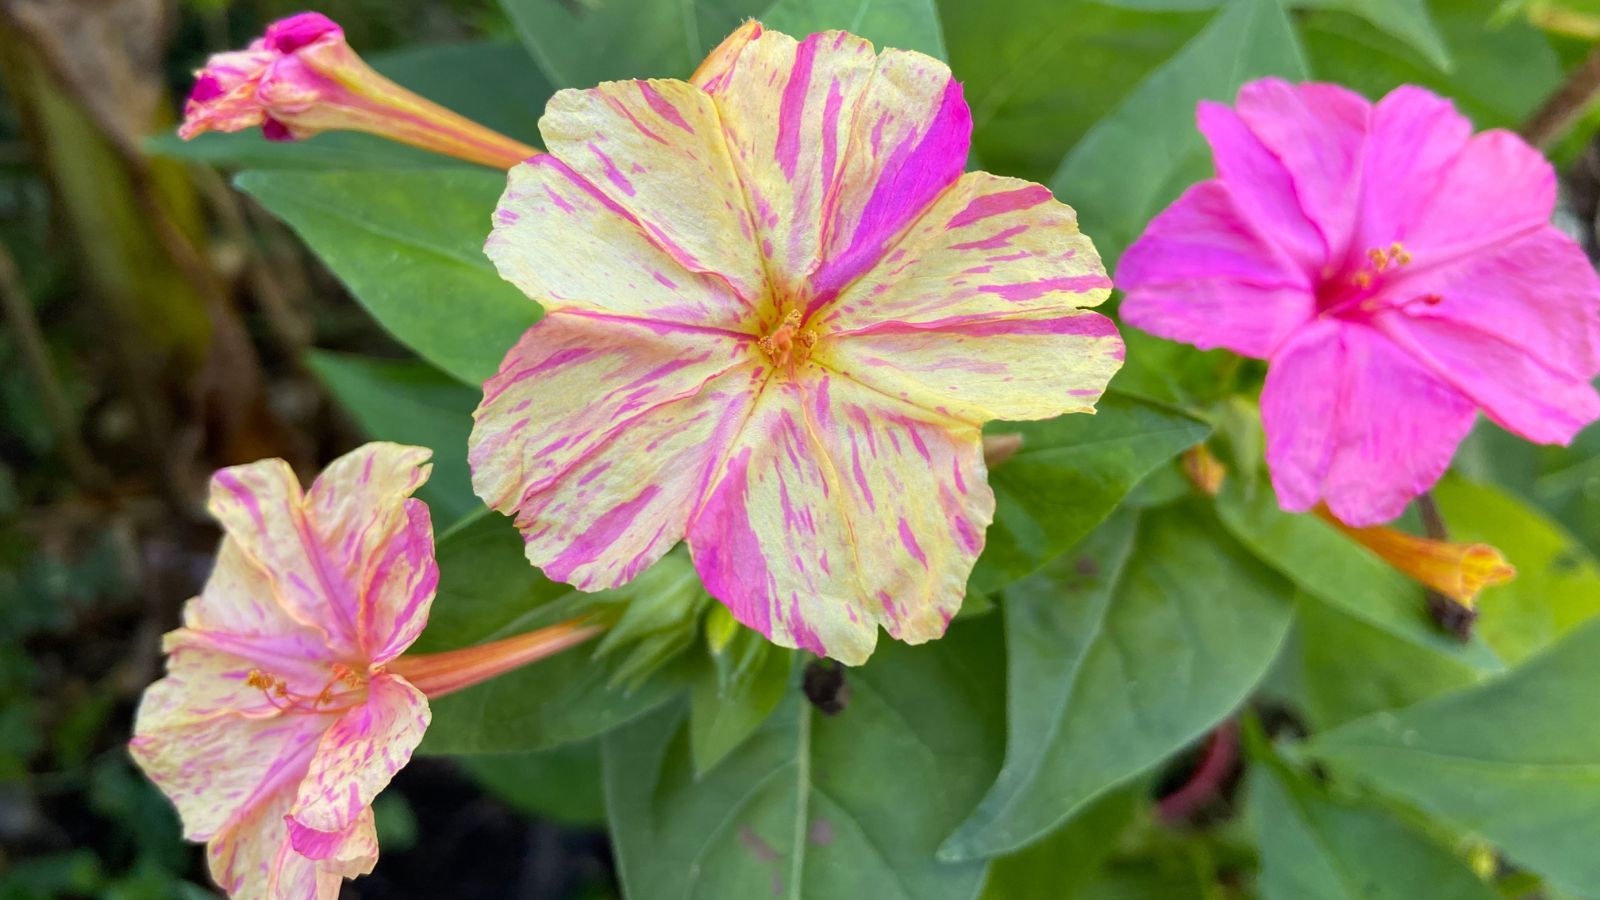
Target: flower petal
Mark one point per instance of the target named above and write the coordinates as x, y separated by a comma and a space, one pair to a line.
237, 612
1261, 188
1499, 189
212, 743
788, 142
249, 859
1319, 132
1415, 140
568, 246
597, 436
839, 510
679, 183
381, 540
989, 247
982, 369
1354, 420
1202, 274
354, 761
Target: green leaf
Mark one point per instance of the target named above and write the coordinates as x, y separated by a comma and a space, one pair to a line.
1516, 760
1405, 20
1338, 572
452, 75
1500, 73
1069, 860
725, 708
1316, 847
1070, 473
815, 806
580, 43
1120, 653
1142, 156
487, 591
409, 246
410, 402
562, 783
1557, 586
905, 24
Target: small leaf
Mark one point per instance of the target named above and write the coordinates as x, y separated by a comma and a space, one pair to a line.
1516, 760
726, 708
409, 246
1120, 653
487, 591
817, 806
410, 402
1405, 20
1069, 474
1142, 156
904, 24
1314, 847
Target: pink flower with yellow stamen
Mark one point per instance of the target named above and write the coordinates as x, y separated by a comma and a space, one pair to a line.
1398, 273
301, 78
777, 314
286, 706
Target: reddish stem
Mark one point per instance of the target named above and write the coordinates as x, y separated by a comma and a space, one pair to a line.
1205, 784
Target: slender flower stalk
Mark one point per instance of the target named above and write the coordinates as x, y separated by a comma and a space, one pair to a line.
1457, 571
438, 674
301, 78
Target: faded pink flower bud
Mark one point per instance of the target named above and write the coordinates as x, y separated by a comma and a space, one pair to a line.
301, 78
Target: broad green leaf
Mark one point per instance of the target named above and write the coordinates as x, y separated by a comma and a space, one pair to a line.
1070, 473
580, 43
1350, 668
1516, 760
487, 591
1405, 20
1120, 653
816, 806
454, 76
1143, 155
1069, 859
410, 402
562, 783
1336, 571
1316, 847
905, 24
409, 246
1557, 586
1499, 75
725, 710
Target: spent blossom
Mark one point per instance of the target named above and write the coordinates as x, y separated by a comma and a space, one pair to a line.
287, 705
777, 314
1399, 274
302, 78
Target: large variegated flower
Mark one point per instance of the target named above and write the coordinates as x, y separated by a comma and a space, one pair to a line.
777, 314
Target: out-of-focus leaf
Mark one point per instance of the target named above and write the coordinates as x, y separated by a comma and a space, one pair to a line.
580, 43
1405, 20
1499, 75
487, 591
906, 24
409, 246
1039, 74
493, 83
817, 806
562, 783
1337, 571
410, 402
1121, 652
1557, 586
1143, 155
1516, 760
1069, 474
729, 700
1069, 859
1316, 847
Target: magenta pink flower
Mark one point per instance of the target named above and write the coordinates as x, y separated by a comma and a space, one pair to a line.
1398, 273
301, 78
777, 314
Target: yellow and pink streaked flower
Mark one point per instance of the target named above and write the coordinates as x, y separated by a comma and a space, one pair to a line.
777, 314
287, 705
301, 78
1399, 274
